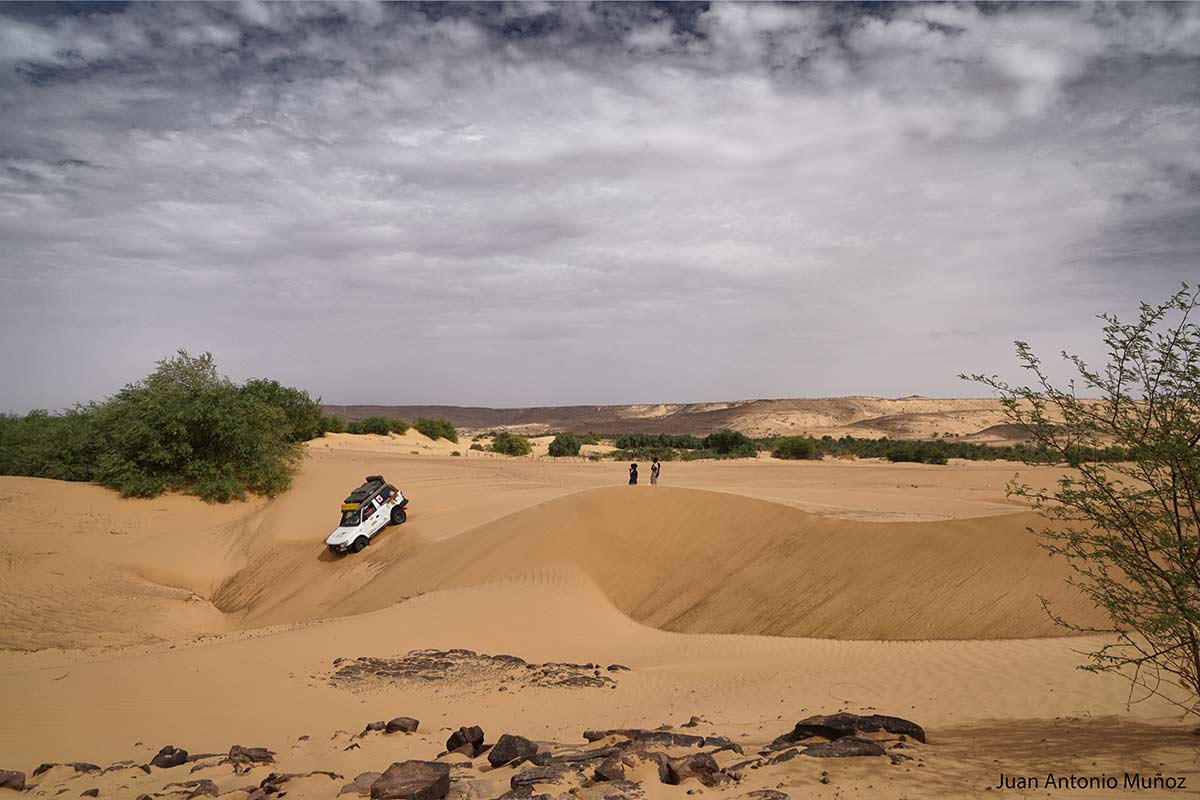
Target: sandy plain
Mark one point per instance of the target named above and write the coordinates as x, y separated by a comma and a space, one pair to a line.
750, 594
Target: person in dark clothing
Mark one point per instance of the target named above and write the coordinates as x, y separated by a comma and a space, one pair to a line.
655, 468
633, 474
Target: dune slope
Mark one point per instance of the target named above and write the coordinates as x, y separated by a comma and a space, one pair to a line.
703, 562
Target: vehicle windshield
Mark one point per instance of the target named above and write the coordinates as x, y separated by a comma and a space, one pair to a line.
350, 518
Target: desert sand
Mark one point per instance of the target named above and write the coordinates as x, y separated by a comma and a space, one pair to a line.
750, 594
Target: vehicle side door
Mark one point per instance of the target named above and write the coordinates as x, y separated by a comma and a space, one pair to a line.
378, 515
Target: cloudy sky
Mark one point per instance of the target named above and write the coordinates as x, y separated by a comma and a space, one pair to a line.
547, 204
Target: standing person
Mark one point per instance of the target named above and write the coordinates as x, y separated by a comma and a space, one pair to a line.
633, 474
655, 468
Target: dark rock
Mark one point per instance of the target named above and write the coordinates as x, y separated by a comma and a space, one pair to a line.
245, 759
532, 775
767, 794
378, 725
618, 668
846, 746
835, 726
522, 792
786, 755
412, 780
169, 756
466, 736
736, 769
663, 738
899, 758
11, 779
693, 722
361, 784
402, 725
198, 788
662, 761
722, 743
90, 793
78, 766
510, 747
273, 781
610, 769
701, 766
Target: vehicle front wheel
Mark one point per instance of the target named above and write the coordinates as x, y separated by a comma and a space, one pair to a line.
359, 544
398, 516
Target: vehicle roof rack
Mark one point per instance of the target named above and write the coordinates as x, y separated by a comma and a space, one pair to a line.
367, 490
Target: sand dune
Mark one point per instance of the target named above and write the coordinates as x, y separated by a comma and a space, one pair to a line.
129, 624
706, 562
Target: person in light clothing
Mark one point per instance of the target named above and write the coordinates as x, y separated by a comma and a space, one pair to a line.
655, 468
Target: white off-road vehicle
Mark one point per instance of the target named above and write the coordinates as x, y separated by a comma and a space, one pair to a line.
367, 511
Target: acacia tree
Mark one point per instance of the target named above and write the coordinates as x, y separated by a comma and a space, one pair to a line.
1128, 528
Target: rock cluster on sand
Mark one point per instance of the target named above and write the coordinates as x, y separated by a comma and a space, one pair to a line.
467, 740
510, 748
597, 770
412, 780
468, 668
11, 779
169, 756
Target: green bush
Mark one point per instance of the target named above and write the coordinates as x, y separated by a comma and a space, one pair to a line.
44, 445
377, 425
455, 453
730, 443
565, 444
590, 438
182, 428
302, 412
511, 444
436, 429
332, 423
794, 447
397, 425
475, 446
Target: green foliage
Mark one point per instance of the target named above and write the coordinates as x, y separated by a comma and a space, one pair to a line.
397, 425
475, 446
377, 425
183, 428
332, 423
44, 445
642, 441
795, 447
565, 444
512, 444
1128, 527
589, 438
302, 412
455, 453
436, 429
727, 442
916, 452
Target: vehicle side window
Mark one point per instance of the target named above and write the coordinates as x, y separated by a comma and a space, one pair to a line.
385, 494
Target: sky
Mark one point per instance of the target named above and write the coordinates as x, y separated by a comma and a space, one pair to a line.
537, 204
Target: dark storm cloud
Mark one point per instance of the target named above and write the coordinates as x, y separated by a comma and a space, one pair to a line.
541, 203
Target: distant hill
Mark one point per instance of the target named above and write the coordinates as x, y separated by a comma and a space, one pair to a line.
865, 417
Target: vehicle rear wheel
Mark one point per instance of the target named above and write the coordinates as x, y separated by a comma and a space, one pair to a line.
359, 544
398, 516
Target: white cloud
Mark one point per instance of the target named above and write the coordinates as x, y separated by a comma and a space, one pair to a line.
600, 193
